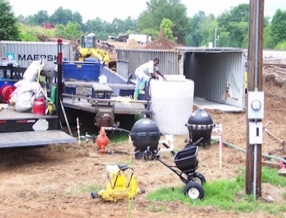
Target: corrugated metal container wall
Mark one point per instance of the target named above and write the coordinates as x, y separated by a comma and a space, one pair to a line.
26, 52
169, 63
210, 69
211, 72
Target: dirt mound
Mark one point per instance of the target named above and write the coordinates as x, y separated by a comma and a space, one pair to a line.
132, 44
162, 43
275, 72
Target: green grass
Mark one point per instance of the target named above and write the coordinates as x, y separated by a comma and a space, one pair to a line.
118, 137
84, 189
34, 33
227, 195
270, 176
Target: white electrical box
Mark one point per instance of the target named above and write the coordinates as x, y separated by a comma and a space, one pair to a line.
255, 105
255, 133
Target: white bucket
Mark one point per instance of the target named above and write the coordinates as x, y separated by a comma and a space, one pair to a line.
102, 79
172, 104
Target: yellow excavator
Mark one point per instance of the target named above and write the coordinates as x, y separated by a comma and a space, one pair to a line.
87, 48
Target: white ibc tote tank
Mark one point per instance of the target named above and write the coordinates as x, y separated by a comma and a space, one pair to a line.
172, 103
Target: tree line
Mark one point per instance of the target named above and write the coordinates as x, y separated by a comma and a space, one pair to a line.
229, 29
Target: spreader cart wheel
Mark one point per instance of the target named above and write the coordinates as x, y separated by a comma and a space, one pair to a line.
198, 178
194, 191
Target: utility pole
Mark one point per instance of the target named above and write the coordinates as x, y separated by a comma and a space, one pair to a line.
215, 37
254, 99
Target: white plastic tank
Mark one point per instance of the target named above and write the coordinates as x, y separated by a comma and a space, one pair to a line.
172, 103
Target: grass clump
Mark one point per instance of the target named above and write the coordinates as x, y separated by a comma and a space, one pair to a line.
228, 195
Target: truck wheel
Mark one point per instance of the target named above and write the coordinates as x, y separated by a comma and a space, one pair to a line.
194, 191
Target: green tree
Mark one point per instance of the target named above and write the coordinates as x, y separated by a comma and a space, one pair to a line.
166, 27
60, 30
39, 18
77, 18
268, 41
103, 29
73, 30
121, 27
278, 26
224, 38
281, 45
98, 27
9, 29
70, 31
195, 36
235, 22
207, 29
63, 16
157, 10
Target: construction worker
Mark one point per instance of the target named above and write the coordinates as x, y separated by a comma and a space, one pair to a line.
144, 73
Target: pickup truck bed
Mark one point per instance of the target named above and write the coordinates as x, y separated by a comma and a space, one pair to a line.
21, 129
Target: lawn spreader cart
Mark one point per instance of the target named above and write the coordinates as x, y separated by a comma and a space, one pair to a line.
186, 164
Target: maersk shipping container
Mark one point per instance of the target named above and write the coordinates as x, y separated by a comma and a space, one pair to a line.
27, 52
218, 73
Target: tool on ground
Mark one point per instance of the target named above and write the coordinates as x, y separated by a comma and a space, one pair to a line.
283, 142
119, 187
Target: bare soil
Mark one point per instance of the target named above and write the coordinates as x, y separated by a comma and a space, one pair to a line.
45, 182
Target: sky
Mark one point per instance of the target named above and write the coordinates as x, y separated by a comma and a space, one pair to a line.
107, 10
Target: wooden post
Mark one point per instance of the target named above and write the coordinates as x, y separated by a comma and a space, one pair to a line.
255, 60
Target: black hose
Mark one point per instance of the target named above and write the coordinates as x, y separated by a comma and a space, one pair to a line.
117, 129
167, 146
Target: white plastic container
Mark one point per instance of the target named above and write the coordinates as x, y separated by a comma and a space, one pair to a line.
102, 79
172, 103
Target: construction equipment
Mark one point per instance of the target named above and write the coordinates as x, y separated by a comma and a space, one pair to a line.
118, 186
87, 48
186, 160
